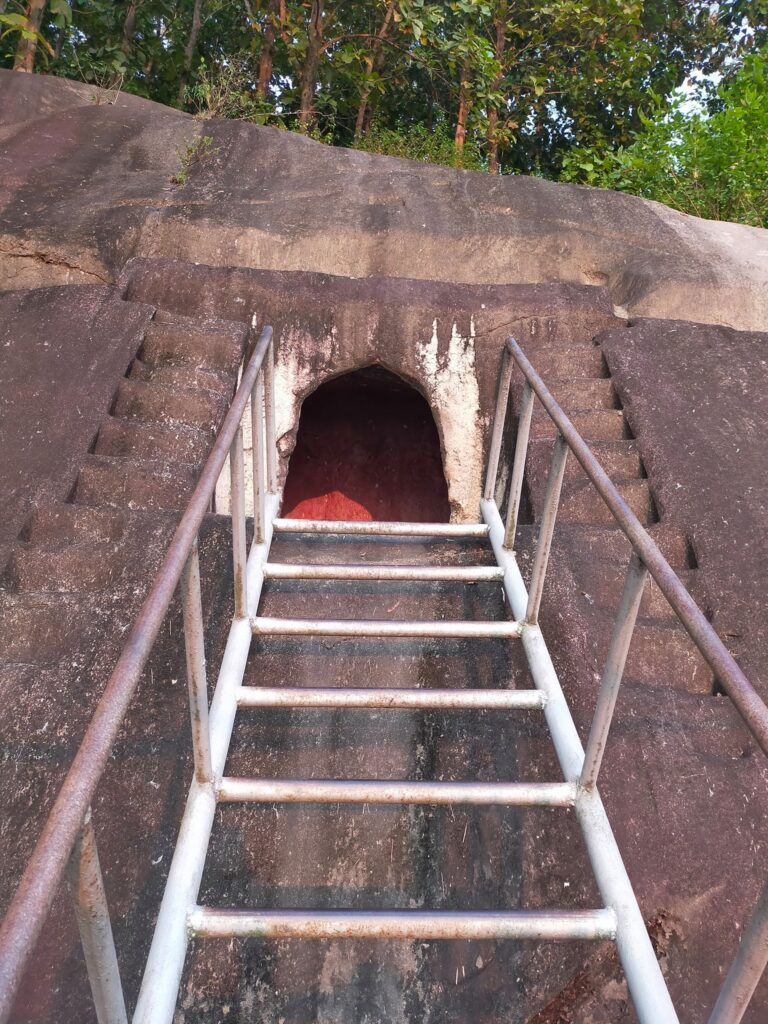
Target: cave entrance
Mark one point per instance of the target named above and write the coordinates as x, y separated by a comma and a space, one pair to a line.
367, 448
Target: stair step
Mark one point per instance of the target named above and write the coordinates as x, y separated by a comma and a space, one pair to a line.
576, 393
375, 791
58, 525
69, 570
608, 542
592, 424
124, 438
580, 502
383, 628
665, 656
189, 377
214, 923
140, 400
389, 699
618, 459
138, 485
175, 345
376, 572
604, 583
583, 505
456, 531
44, 628
570, 361
199, 324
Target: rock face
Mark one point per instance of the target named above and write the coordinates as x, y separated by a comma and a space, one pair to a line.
57, 379
87, 186
111, 391
708, 386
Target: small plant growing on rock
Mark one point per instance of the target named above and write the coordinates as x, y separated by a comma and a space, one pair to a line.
197, 150
227, 90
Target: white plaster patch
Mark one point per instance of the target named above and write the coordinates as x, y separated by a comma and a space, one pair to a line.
294, 377
451, 386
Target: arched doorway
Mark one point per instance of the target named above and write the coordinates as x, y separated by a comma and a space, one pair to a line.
367, 448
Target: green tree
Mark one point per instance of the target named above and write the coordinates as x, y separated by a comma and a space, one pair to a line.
515, 86
710, 165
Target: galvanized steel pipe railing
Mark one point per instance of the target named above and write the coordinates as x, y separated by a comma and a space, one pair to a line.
63, 830
752, 956
747, 700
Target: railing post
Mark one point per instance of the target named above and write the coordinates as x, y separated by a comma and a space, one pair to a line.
499, 416
194, 645
548, 517
239, 551
259, 465
518, 468
614, 669
747, 968
270, 430
87, 888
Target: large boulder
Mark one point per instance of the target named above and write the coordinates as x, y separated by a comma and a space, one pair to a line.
87, 185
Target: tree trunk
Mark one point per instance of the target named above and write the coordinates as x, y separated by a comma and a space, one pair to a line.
60, 40
189, 49
311, 66
493, 113
267, 48
463, 115
27, 48
129, 27
373, 62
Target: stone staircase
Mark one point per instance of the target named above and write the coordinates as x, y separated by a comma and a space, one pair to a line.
80, 568
597, 552
77, 574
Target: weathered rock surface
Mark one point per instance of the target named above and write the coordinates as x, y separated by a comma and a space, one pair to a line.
57, 379
86, 185
697, 400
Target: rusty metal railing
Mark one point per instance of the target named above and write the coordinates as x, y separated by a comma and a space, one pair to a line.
752, 955
67, 844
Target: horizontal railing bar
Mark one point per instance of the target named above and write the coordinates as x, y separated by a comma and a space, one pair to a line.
336, 697
552, 925
266, 626
386, 529
743, 694
37, 888
413, 573
374, 791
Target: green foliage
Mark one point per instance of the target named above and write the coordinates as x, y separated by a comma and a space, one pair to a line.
13, 24
710, 165
227, 90
543, 88
417, 142
192, 155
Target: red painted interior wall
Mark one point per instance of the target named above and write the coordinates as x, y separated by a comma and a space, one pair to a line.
367, 448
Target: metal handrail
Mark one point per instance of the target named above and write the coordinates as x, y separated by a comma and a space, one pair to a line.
750, 705
67, 843
67, 827
752, 955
